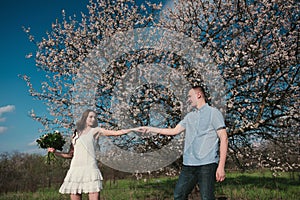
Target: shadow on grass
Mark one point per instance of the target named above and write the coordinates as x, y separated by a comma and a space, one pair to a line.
278, 183
163, 188
166, 187
282, 184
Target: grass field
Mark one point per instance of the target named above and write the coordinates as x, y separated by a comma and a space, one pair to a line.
237, 186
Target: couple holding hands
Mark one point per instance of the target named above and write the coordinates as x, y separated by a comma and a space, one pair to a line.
204, 155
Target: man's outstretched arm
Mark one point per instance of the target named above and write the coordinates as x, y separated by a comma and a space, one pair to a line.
163, 131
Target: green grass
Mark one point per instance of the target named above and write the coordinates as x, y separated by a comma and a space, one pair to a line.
237, 186
155, 188
260, 186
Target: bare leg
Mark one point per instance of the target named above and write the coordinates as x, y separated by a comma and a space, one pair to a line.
76, 196
94, 196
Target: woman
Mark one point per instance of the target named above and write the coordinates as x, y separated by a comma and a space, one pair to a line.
84, 175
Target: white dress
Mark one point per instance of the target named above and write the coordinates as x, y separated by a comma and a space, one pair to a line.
84, 175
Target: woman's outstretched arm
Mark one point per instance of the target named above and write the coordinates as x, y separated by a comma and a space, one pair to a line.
68, 154
101, 131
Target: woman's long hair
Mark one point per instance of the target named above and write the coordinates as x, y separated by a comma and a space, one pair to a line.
81, 124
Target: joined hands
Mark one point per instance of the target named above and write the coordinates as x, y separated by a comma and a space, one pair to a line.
143, 129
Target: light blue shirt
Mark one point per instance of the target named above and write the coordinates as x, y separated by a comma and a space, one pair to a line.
201, 144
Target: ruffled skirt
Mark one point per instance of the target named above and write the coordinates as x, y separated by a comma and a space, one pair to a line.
82, 180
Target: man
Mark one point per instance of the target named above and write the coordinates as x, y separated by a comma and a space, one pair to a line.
205, 147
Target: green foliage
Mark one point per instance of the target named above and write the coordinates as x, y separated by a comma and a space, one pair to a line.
27, 177
148, 188
54, 140
259, 185
237, 186
21, 172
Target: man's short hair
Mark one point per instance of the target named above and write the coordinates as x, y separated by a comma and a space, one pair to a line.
201, 89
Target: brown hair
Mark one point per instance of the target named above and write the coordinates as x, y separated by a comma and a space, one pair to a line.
201, 90
80, 125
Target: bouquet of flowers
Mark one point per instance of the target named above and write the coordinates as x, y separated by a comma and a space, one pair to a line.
54, 140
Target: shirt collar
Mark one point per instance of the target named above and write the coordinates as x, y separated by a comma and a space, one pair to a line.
201, 108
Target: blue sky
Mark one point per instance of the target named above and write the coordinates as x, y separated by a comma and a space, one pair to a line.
18, 131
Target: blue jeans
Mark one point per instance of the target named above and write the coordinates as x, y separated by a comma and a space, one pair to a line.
204, 175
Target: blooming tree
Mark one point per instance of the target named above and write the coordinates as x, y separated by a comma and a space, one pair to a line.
255, 45
61, 53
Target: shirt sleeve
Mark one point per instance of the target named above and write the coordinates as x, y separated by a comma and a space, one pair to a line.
183, 122
218, 120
